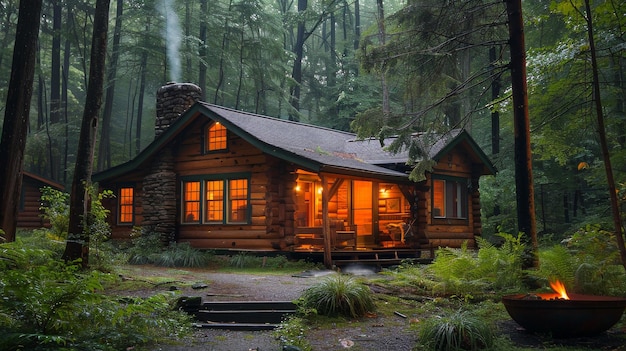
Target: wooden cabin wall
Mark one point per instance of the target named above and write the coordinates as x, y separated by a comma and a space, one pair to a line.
123, 231
445, 232
270, 207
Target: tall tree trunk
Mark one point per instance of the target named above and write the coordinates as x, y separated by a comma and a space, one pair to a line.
64, 104
77, 246
55, 85
382, 39
296, 73
221, 70
104, 149
203, 49
615, 210
523, 158
142, 92
17, 108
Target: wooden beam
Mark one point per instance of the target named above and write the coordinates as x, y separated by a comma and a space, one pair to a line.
326, 223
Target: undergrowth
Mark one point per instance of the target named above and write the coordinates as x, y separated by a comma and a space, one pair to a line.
54, 305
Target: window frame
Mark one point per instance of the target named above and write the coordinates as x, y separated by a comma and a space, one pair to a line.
121, 206
206, 140
225, 179
460, 184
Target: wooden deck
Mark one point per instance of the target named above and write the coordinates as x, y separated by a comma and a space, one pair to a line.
381, 257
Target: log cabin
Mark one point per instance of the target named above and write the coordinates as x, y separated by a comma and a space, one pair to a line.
29, 214
223, 179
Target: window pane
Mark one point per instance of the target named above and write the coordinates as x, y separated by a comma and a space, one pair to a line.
215, 200
191, 202
216, 137
438, 198
238, 200
126, 205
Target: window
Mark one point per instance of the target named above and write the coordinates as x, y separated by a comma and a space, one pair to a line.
126, 205
450, 198
191, 202
215, 200
216, 137
221, 201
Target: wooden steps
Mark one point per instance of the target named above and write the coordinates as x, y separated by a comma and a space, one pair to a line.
238, 315
382, 258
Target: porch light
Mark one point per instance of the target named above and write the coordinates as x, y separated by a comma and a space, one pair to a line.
320, 190
297, 188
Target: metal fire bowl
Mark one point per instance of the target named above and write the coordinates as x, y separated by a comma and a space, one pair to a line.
582, 315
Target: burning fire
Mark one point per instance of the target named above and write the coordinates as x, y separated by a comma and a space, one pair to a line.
559, 288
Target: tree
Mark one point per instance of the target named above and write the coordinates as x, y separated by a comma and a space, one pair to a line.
615, 209
77, 246
16, 119
104, 150
524, 187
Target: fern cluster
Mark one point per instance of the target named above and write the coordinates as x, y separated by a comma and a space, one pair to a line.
57, 306
466, 272
587, 263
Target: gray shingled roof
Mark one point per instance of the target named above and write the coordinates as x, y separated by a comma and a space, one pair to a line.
315, 148
330, 149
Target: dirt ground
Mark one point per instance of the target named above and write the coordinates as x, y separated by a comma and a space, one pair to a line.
380, 332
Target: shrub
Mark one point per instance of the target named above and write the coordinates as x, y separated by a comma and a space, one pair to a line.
339, 295
182, 255
291, 332
145, 246
56, 306
588, 263
467, 272
460, 330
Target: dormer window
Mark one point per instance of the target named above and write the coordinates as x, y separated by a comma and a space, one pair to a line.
215, 137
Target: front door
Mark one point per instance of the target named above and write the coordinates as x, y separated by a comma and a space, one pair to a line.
362, 212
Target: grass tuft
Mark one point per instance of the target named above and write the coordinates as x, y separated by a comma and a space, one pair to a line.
339, 295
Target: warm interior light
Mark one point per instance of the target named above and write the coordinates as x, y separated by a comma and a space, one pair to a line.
319, 190
297, 187
559, 288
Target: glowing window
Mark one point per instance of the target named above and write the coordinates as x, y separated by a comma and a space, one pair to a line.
126, 202
238, 200
216, 137
191, 202
449, 199
215, 200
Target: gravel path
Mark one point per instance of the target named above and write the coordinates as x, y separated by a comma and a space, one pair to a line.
379, 333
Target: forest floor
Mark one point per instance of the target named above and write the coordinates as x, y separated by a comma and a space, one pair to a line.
384, 330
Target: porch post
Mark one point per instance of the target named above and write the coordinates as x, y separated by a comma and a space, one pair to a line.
326, 223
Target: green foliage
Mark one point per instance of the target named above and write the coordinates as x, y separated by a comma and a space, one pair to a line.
588, 263
339, 295
56, 209
242, 260
56, 306
459, 330
145, 246
291, 332
182, 255
466, 272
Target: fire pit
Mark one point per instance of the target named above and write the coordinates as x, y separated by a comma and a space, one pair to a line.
563, 314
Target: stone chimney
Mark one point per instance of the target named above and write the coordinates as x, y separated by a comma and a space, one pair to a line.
159, 185
171, 101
